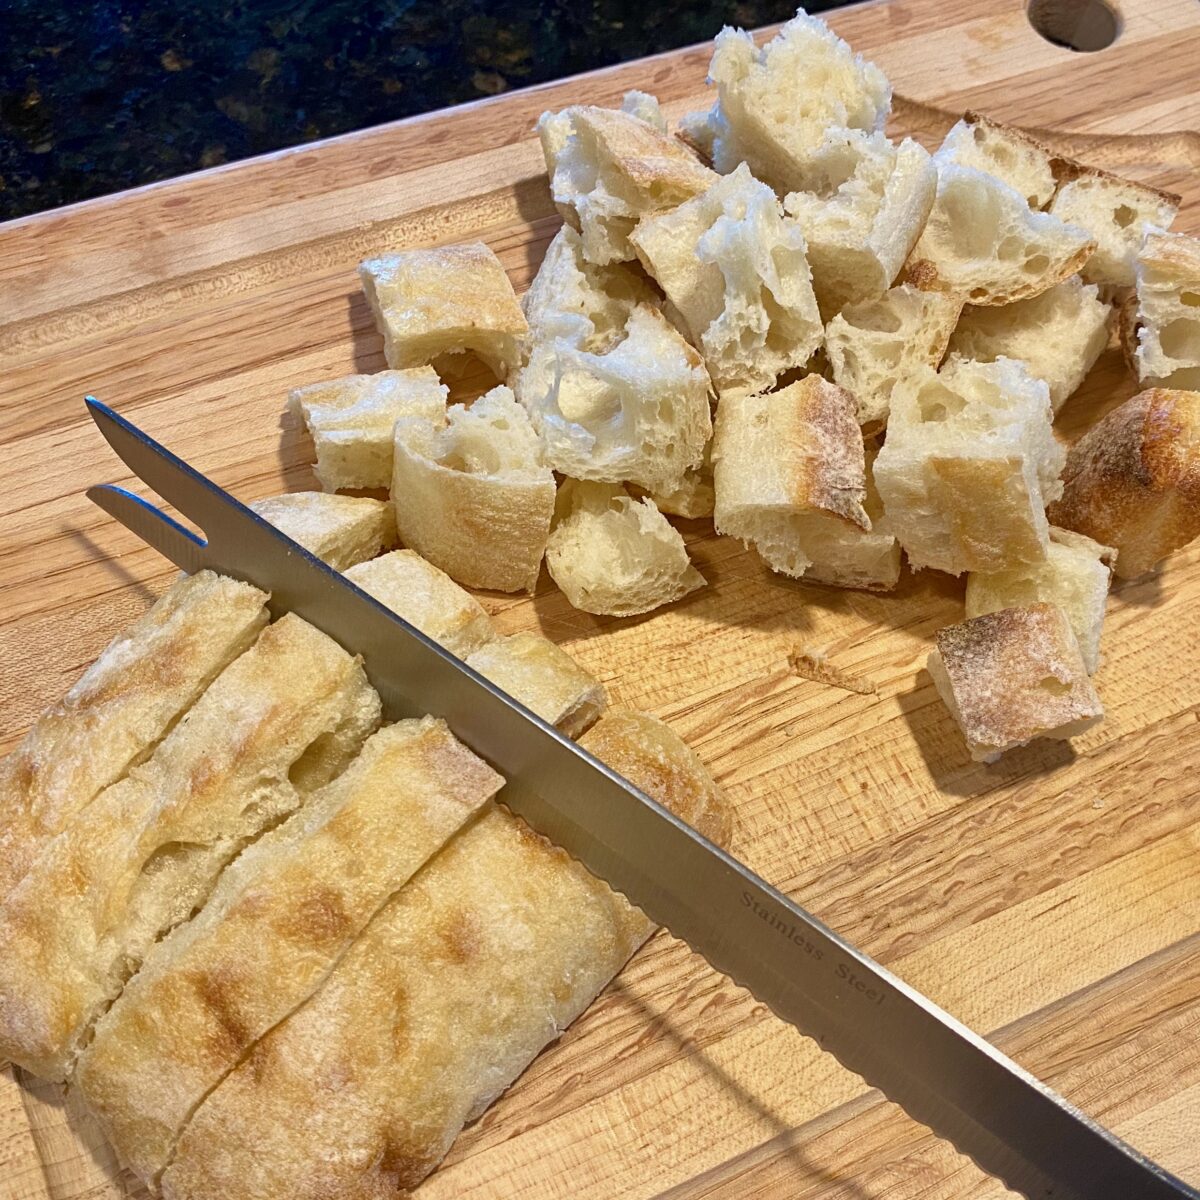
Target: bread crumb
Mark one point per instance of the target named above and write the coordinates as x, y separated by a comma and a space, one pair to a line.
813, 663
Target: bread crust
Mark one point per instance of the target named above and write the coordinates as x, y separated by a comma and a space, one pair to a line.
339, 530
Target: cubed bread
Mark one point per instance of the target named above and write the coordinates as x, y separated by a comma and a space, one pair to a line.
614, 555
1057, 335
776, 105
859, 237
789, 471
340, 530
1133, 480
1075, 575
693, 497
873, 345
352, 420
547, 680
1167, 351
609, 168
1011, 676
984, 240
427, 598
451, 299
471, 493
969, 464
1005, 152
735, 269
1118, 213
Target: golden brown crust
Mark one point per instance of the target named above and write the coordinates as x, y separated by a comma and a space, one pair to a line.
1127, 330
1066, 170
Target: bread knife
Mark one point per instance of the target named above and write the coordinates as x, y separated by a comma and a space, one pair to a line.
936, 1069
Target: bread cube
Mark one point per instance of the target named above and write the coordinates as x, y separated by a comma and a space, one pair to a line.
427, 598
471, 493
614, 555
983, 239
789, 471
608, 168
1057, 335
451, 299
1005, 152
1167, 348
1118, 213
1133, 480
340, 530
859, 237
735, 269
969, 464
693, 497
1075, 575
873, 345
1011, 676
352, 420
544, 678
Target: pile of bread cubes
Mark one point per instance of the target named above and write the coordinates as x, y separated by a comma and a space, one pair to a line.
841, 348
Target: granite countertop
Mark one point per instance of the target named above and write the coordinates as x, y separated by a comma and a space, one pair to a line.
108, 94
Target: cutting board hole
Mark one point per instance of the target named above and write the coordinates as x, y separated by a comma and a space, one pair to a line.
1083, 25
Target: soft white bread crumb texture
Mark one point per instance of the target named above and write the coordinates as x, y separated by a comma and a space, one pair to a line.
1008, 154
339, 530
1167, 349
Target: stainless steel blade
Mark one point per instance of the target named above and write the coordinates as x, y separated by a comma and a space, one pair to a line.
938, 1070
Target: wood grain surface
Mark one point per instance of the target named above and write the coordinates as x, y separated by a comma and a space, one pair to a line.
1051, 900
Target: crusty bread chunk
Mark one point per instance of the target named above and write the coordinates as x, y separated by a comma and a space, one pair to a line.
471, 493
351, 422
984, 240
1167, 318
451, 299
1075, 575
969, 464
1133, 480
546, 679
427, 598
735, 269
276, 924
609, 168
777, 106
1118, 213
1057, 335
1003, 151
1011, 676
611, 554
340, 530
789, 471
873, 345
859, 237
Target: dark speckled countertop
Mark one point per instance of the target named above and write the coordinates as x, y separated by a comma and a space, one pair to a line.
98, 96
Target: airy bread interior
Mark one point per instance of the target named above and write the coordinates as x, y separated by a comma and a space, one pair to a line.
1167, 352
1007, 153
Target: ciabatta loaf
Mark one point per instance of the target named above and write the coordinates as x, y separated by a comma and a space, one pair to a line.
1166, 352
1005, 152
1012, 676
340, 530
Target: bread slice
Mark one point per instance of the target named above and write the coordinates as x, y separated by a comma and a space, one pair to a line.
1167, 353
427, 598
1011, 676
789, 471
735, 269
277, 923
451, 299
1118, 213
1075, 575
1133, 480
1004, 152
481, 961
984, 240
777, 105
1057, 335
144, 855
472, 495
608, 168
145, 679
874, 345
615, 555
859, 237
340, 530
969, 464
351, 422
547, 680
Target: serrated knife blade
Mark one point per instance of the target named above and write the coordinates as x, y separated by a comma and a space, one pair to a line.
940, 1072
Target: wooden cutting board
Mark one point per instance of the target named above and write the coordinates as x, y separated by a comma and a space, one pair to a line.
1052, 901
